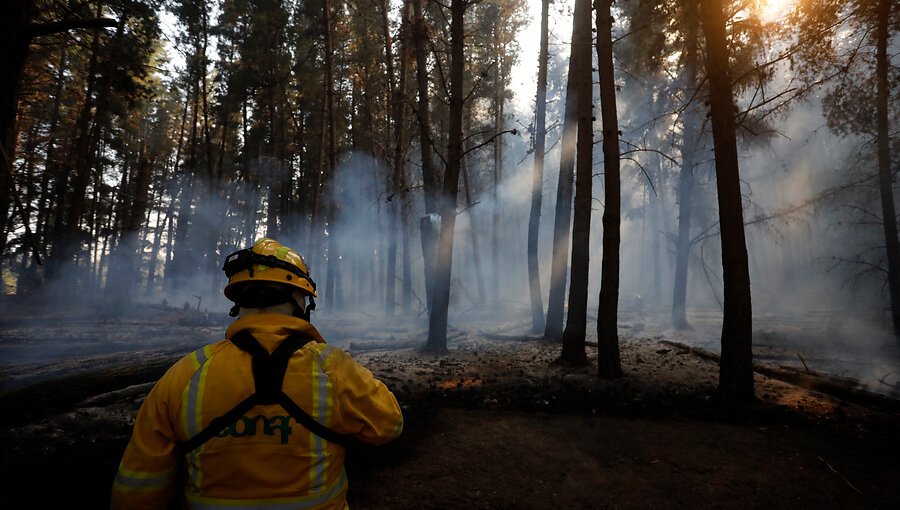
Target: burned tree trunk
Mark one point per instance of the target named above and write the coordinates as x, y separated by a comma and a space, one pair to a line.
428, 223
553, 328
735, 369
573, 352
437, 323
395, 100
332, 273
885, 184
537, 180
608, 359
690, 133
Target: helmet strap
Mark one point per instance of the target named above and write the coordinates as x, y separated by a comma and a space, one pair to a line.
302, 312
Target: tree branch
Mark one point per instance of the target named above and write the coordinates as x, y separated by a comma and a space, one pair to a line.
42, 29
491, 139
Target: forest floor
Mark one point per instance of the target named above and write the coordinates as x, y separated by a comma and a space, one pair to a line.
494, 423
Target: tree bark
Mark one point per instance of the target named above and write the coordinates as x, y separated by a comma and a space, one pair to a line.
437, 323
537, 179
573, 352
735, 368
608, 359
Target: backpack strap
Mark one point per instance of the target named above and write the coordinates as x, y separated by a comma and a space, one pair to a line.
268, 376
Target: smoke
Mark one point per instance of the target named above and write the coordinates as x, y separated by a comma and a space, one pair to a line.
815, 248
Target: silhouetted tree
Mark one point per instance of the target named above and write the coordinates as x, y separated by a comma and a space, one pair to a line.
537, 179
573, 352
553, 328
609, 363
690, 133
437, 323
427, 225
736, 364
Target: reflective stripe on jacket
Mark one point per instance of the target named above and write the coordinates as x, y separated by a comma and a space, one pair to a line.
266, 459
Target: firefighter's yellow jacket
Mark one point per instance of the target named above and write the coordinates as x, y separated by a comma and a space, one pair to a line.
266, 459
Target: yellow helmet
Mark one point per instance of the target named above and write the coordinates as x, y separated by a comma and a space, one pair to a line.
267, 261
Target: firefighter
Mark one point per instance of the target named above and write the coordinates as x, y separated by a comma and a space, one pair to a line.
261, 418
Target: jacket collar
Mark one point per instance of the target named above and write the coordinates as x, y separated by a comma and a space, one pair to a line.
270, 329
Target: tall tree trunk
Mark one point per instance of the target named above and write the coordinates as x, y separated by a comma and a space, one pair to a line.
437, 323
553, 328
184, 262
16, 34
473, 230
498, 172
573, 352
332, 274
27, 279
884, 164
690, 135
157, 242
86, 149
428, 223
608, 359
50, 164
736, 363
60, 255
315, 242
405, 50
395, 95
123, 274
168, 264
537, 179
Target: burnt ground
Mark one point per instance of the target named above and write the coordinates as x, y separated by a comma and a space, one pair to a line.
494, 423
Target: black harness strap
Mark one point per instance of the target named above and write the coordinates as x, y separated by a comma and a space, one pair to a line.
309, 422
268, 376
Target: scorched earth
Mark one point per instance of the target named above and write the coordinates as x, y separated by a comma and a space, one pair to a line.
493, 423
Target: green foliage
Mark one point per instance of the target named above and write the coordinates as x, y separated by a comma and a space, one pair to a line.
834, 50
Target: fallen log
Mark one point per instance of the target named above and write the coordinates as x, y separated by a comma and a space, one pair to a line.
132, 391
843, 388
45, 398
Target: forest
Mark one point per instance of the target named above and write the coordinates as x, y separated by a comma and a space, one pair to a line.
541, 220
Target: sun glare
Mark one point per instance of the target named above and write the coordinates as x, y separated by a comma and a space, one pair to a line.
773, 10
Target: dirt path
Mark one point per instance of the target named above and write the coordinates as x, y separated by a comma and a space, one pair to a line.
455, 458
